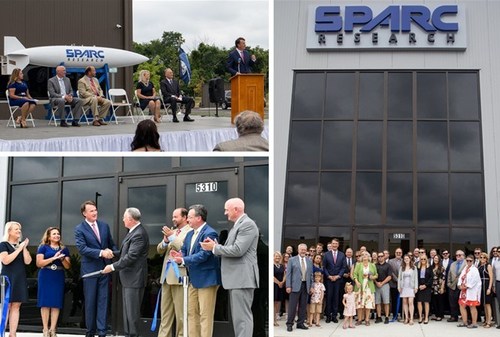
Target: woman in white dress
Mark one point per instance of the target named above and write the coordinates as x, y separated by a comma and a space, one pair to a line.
469, 283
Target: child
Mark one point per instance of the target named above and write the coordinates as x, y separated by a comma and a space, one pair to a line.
316, 305
349, 306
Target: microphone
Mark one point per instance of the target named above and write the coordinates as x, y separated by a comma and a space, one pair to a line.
239, 61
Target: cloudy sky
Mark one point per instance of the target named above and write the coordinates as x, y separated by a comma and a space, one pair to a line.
216, 23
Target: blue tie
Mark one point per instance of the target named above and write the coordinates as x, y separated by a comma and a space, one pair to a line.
459, 264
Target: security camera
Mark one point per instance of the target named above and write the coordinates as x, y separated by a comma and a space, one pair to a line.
118, 26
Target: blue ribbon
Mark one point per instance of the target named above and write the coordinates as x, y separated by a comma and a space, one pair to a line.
174, 265
395, 315
5, 308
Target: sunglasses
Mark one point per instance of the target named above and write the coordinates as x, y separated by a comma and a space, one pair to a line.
483, 257
446, 253
477, 253
468, 260
381, 256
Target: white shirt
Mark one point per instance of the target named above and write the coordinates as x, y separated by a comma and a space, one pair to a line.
62, 86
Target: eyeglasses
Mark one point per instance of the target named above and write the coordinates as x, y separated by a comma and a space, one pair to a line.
422, 251
483, 257
381, 256
468, 260
446, 253
477, 253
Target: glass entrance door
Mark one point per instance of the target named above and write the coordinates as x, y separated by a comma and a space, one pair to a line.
371, 238
398, 237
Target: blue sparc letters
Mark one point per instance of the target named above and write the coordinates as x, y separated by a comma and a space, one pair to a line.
398, 18
88, 53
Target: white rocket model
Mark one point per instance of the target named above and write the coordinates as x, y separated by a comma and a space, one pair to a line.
19, 56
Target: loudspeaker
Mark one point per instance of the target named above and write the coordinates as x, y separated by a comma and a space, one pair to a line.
216, 90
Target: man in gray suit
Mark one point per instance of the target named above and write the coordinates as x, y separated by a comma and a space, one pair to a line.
239, 269
249, 126
61, 94
299, 280
133, 269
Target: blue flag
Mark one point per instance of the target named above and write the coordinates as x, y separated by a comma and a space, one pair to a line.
185, 66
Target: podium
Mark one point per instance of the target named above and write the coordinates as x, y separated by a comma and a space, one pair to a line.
247, 93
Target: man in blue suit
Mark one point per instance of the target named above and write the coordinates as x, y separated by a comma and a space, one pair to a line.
240, 61
203, 271
334, 264
95, 245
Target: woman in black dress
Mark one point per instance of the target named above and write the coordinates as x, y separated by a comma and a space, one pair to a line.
438, 288
14, 256
279, 285
147, 95
424, 289
486, 273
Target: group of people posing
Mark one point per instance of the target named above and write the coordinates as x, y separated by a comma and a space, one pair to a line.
191, 245
417, 284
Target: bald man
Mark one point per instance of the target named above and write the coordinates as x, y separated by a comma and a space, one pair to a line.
61, 94
239, 269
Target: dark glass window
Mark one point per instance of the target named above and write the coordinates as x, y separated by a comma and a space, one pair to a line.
335, 198
368, 197
465, 146
399, 198
302, 198
431, 95
337, 145
304, 145
34, 207
143, 164
371, 95
399, 145
432, 145
429, 237
295, 235
27, 168
340, 89
75, 166
467, 199
309, 95
463, 95
257, 197
369, 154
433, 198
399, 95
467, 239
343, 234
204, 161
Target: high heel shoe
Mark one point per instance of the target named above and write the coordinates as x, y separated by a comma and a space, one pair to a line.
18, 120
157, 120
23, 124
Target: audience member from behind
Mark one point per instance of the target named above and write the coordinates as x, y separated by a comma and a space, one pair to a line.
469, 283
91, 94
147, 138
14, 256
52, 258
61, 94
19, 95
249, 126
146, 93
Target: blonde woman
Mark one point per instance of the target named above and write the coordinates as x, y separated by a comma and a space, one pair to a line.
364, 275
52, 258
486, 273
146, 93
14, 256
19, 95
279, 285
424, 292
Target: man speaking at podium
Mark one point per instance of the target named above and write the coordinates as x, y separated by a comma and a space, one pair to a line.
240, 61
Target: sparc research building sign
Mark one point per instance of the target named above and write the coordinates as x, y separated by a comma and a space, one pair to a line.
361, 27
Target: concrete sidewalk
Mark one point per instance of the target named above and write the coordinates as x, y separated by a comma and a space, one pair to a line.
396, 329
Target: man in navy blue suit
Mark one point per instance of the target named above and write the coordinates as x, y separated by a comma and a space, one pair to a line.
240, 61
204, 273
95, 244
334, 264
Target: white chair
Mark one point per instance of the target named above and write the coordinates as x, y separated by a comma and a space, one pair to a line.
120, 94
85, 109
53, 111
13, 109
167, 106
137, 107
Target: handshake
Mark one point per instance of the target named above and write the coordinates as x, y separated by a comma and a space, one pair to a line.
107, 253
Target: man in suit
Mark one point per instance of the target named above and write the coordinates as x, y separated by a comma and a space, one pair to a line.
446, 262
204, 273
133, 269
172, 297
249, 126
172, 94
240, 61
239, 268
91, 94
453, 291
299, 280
95, 245
334, 264
61, 94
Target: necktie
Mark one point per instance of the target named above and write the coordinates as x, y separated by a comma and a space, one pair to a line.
94, 228
349, 263
177, 231
242, 57
335, 256
193, 240
459, 263
303, 268
94, 89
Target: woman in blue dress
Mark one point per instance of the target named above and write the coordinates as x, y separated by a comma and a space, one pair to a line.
52, 258
19, 95
14, 256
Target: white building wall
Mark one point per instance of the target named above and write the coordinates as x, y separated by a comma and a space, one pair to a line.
482, 53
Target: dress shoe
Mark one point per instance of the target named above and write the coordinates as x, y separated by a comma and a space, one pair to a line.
75, 123
335, 320
302, 326
175, 120
96, 123
102, 122
328, 319
378, 320
289, 328
188, 119
64, 124
341, 316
